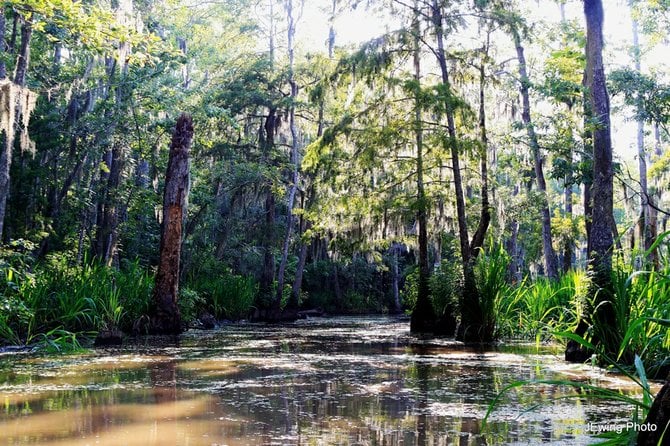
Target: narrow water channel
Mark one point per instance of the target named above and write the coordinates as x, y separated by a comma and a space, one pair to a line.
339, 381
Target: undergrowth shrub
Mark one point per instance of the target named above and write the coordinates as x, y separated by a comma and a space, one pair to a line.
230, 296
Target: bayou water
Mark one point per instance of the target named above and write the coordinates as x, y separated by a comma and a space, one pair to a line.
337, 381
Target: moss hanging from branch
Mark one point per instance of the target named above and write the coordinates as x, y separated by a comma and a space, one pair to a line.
16, 102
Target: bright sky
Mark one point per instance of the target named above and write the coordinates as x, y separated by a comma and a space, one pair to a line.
351, 27
361, 25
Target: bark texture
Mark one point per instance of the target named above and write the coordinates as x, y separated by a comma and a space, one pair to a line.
659, 415
601, 238
423, 316
166, 318
294, 157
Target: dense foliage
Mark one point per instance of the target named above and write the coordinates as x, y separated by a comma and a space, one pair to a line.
443, 168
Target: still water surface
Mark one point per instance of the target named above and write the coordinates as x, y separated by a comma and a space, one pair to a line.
339, 381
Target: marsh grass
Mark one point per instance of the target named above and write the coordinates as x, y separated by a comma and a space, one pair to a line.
55, 306
230, 296
491, 274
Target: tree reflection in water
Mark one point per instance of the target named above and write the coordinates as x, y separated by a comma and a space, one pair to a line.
337, 381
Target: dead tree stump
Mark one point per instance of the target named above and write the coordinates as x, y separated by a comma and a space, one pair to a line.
165, 317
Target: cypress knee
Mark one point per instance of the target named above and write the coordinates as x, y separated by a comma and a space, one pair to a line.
165, 317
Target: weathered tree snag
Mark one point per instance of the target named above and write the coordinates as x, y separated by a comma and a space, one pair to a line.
165, 317
23, 58
659, 416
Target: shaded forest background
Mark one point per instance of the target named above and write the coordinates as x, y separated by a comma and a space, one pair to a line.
443, 167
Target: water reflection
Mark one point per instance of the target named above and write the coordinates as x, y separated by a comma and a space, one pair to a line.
340, 381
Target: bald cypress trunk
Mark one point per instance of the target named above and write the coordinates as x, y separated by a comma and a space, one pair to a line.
294, 158
472, 326
165, 316
600, 314
550, 260
423, 316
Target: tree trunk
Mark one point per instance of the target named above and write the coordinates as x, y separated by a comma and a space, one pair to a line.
550, 260
268, 273
23, 58
514, 270
601, 236
300, 269
294, 157
423, 316
107, 236
569, 246
11, 45
485, 216
3, 45
654, 198
646, 236
397, 306
658, 416
165, 317
471, 314
336, 286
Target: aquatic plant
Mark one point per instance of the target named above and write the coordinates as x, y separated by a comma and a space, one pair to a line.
545, 305
583, 390
491, 274
57, 302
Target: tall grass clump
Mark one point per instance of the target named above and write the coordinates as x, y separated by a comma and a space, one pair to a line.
544, 305
229, 296
491, 274
641, 300
54, 303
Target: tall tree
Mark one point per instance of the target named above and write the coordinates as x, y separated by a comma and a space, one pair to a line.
472, 325
17, 104
549, 254
644, 223
423, 316
292, 18
601, 237
309, 195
